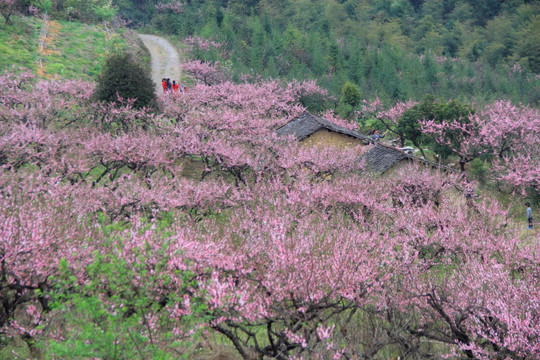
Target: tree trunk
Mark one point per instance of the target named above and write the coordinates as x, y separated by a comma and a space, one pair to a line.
420, 148
7, 16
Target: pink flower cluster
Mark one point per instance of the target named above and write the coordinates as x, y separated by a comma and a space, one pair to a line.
176, 7
201, 43
508, 133
33, 10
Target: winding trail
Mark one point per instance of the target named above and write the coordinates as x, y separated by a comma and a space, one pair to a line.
165, 59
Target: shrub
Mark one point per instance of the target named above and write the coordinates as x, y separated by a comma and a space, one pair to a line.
56, 68
90, 11
350, 94
123, 78
479, 170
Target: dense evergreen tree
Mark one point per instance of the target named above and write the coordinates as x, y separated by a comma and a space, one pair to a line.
122, 78
440, 112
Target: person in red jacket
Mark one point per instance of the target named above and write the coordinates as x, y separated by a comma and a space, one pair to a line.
164, 84
175, 87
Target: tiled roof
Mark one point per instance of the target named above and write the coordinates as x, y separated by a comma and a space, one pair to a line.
307, 124
381, 158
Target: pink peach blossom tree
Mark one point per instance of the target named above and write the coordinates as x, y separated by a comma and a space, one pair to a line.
287, 251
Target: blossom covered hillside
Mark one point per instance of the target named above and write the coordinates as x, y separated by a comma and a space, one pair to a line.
109, 251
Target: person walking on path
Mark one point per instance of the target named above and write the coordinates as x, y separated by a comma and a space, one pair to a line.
529, 215
169, 85
175, 87
164, 85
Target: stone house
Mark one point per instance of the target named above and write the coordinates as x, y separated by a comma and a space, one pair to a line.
313, 130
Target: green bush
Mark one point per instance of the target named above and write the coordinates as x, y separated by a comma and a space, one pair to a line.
479, 170
89, 10
43, 5
373, 124
350, 94
123, 78
440, 112
115, 314
56, 68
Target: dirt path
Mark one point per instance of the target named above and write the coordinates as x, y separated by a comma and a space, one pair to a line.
165, 59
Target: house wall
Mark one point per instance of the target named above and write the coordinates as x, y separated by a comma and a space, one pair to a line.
330, 138
397, 167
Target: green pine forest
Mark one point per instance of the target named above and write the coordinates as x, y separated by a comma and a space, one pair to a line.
396, 50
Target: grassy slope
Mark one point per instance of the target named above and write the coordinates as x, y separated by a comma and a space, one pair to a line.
75, 50
72, 50
19, 42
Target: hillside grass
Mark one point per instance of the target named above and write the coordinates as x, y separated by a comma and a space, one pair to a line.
72, 50
76, 50
19, 42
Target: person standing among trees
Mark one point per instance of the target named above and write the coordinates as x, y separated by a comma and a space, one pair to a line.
529, 215
376, 136
169, 85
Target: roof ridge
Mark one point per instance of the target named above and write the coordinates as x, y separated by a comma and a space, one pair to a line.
318, 122
318, 118
377, 143
432, 163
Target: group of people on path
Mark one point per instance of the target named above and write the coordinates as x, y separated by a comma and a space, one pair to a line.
171, 87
